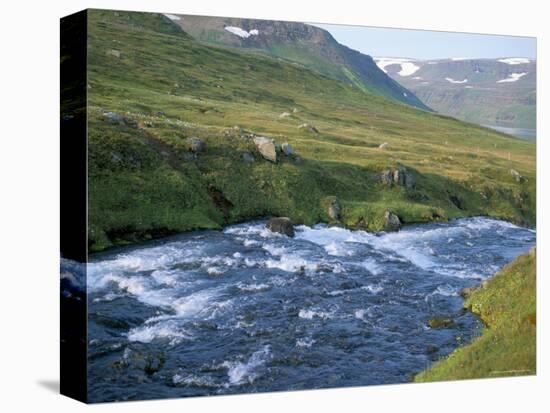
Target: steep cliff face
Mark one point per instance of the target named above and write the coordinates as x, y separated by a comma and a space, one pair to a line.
500, 92
300, 43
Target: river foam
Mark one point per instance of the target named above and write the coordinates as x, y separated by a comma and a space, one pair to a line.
247, 309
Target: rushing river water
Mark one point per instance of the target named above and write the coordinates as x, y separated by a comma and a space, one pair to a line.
247, 310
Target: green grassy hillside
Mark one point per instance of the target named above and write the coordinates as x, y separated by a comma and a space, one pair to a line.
301, 43
507, 305
151, 86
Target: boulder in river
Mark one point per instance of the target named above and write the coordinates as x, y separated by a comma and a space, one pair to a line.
441, 322
282, 225
195, 144
335, 210
266, 147
391, 221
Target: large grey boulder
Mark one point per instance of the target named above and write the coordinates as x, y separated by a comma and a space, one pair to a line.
335, 210
398, 176
195, 144
391, 222
281, 225
266, 147
401, 176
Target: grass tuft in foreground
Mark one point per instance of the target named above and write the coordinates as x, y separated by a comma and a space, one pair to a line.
507, 346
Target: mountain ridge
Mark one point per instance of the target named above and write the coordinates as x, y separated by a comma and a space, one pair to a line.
311, 46
488, 91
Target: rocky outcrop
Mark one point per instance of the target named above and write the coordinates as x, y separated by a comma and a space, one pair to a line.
266, 147
281, 225
398, 176
335, 210
195, 144
391, 221
113, 53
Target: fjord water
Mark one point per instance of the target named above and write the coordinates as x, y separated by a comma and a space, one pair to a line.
247, 310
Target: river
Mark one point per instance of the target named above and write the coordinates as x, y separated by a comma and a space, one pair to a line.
247, 310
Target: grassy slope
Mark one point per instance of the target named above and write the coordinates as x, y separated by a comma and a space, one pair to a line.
142, 184
507, 305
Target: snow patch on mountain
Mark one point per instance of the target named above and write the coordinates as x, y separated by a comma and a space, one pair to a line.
514, 61
407, 66
241, 32
172, 16
513, 77
451, 80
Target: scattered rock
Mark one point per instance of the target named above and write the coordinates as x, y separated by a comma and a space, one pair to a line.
518, 176
391, 222
195, 144
247, 157
284, 115
266, 147
383, 145
386, 177
324, 267
282, 225
399, 176
114, 117
295, 110
287, 149
335, 210
441, 322
113, 52
309, 127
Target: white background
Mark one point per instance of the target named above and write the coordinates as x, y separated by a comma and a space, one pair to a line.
29, 206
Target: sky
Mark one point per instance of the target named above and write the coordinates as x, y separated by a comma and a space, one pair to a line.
425, 44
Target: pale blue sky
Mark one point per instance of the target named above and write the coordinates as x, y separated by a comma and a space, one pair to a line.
425, 44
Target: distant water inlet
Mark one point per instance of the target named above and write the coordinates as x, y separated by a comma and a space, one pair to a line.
247, 310
529, 134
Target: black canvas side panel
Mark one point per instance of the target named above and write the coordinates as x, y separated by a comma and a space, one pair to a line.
73, 172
